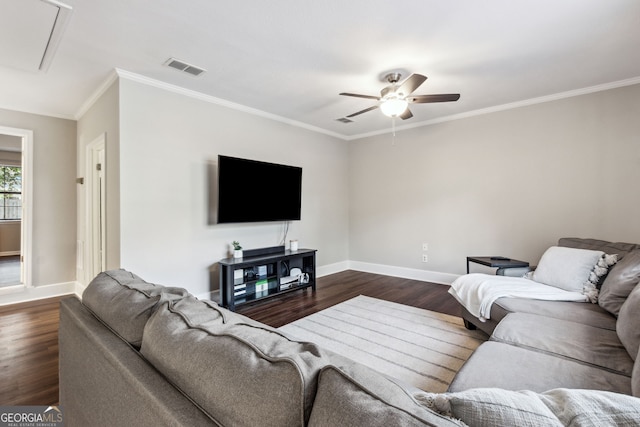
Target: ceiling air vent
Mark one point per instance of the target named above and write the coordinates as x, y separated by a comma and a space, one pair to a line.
344, 120
183, 66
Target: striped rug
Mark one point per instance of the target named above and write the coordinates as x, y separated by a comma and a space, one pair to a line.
420, 347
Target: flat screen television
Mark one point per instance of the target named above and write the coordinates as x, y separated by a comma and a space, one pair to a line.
254, 191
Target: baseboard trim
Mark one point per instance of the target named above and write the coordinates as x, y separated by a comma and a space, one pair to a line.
404, 272
337, 267
17, 294
21, 293
388, 270
79, 289
9, 253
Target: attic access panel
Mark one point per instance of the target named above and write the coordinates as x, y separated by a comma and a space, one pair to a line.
29, 29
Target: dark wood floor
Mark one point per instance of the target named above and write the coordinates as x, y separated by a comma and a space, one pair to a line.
29, 353
340, 287
29, 331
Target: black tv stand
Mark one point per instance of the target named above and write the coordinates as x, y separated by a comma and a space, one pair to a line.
257, 277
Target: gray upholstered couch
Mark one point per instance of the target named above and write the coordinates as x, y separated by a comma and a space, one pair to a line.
135, 353
542, 345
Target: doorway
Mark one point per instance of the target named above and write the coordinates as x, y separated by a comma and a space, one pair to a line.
16, 154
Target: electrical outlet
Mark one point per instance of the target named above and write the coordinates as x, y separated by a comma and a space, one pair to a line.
425, 258
425, 246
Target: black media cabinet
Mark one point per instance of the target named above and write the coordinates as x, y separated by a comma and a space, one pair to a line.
259, 275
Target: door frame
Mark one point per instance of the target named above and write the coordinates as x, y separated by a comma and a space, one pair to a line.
95, 219
26, 222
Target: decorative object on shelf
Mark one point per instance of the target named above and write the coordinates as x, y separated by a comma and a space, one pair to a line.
237, 249
293, 245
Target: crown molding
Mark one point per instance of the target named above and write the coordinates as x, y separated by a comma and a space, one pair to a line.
119, 73
38, 112
221, 102
100, 90
504, 107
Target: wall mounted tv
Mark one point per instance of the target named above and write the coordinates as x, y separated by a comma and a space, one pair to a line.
254, 191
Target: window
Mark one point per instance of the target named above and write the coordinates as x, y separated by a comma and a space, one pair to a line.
10, 192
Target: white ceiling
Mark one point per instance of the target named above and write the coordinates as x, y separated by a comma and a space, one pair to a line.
291, 58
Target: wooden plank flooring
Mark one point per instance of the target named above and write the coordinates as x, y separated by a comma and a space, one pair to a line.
340, 287
29, 353
29, 331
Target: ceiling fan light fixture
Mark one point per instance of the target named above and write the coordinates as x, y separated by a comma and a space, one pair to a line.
393, 107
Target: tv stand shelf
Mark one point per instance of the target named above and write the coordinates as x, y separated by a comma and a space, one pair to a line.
254, 278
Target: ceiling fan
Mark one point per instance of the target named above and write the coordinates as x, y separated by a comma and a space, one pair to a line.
395, 98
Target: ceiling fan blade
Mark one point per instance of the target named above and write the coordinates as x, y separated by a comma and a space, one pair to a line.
363, 111
406, 115
360, 96
411, 83
423, 99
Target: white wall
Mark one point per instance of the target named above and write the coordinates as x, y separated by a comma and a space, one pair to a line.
166, 143
508, 183
101, 119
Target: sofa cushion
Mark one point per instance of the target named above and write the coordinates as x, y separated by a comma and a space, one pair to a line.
240, 373
205, 314
103, 381
354, 395
623, 277
566, 268
628, 325
585, 313
125, 302
500, 365
558, 407
619, 248
581, 343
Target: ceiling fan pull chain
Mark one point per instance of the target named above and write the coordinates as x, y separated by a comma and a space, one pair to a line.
393, 129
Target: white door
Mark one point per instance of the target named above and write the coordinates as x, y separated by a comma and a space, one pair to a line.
96, 204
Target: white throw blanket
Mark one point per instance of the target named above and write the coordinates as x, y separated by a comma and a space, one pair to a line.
477, 292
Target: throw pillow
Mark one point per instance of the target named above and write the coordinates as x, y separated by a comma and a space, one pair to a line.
491, 407
574, 270
575, 407
619, 283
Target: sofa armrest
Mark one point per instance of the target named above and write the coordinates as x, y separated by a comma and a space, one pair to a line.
104, 381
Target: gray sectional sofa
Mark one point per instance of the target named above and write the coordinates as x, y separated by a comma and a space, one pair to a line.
542, 345
135, 353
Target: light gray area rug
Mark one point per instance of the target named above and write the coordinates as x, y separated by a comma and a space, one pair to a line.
420, 347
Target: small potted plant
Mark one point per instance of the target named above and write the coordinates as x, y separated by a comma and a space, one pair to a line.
237, 249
